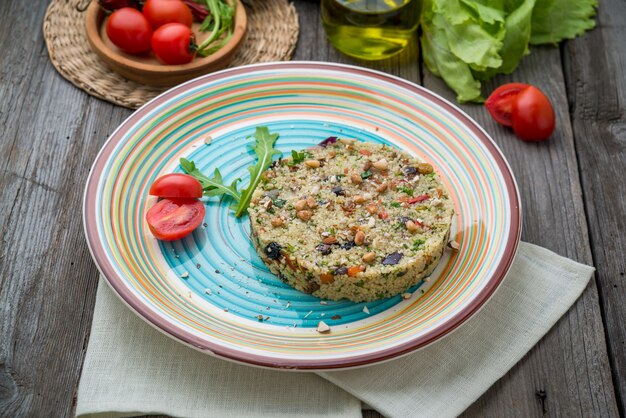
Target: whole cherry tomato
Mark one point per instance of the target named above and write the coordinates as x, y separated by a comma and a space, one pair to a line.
129, 30
533, 116
161, 12
173, 43
176, 185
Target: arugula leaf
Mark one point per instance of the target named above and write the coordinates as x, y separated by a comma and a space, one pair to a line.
264, 149
212, 186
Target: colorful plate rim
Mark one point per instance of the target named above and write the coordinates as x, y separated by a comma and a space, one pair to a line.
107, 270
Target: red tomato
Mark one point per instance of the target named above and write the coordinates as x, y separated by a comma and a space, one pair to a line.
129, 30
172, 219
533, 115
500, 102
172, 44
523, 107
160, 12
176, 185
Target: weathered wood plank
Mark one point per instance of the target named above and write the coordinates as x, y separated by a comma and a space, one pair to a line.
570, 364
596, 82
47, 279
51, 133
567, 373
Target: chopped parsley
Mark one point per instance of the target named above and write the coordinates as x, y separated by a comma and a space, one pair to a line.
417, 244
366, 174
396, 204
298, 157
279, 203
406, 190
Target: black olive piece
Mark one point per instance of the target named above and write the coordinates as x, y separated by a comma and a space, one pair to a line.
403, 219
348, 245
341, 270
273, 250
392, 259
409, 171
325, 249
337, 190
328, 141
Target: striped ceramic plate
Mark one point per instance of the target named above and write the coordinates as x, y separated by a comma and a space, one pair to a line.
212, 292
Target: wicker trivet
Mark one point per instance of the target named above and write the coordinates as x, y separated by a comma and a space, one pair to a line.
271, 36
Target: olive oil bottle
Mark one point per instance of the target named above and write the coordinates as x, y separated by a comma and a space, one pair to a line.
370, 29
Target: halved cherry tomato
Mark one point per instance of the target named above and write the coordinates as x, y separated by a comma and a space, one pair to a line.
523, 107
173, 43
533, 116
129, 30
500, 102
172, 219
161, 12
176, 185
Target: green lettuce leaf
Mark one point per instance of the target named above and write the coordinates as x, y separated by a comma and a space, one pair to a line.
440, 60
469, 41
515, 43
555, 20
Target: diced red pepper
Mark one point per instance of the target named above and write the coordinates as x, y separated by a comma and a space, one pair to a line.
365, 152
418, 199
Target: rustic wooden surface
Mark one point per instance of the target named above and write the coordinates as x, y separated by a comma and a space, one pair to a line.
573, 192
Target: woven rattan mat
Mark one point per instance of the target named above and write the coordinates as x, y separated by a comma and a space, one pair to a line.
271, 36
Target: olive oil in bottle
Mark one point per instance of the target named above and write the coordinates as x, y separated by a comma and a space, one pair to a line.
370, 29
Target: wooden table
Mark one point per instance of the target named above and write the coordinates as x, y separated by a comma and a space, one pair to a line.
572, 190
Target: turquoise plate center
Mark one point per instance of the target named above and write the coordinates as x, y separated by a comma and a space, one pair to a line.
218, 262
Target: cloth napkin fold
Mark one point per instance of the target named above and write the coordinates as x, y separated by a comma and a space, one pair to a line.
132, 369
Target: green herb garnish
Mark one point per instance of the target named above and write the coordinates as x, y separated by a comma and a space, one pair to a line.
418, 243
279, 203
264, 150
212, 186
406, 190
366, 174
298, 157
220, 22
395, 204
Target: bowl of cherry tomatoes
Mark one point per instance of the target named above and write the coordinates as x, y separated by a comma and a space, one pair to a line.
165, 42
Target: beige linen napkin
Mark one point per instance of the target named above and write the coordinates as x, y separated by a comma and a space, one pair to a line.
132, 369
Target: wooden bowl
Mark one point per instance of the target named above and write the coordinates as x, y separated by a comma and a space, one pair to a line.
146, 68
